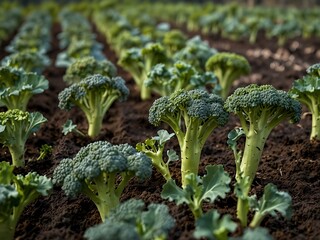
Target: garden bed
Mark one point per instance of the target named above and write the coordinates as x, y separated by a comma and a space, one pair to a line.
289, 160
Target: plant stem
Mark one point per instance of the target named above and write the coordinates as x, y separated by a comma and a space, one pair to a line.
17, 154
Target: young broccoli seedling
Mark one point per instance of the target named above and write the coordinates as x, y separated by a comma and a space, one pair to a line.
17, 192
18, 86
94, 96
130, 220
181, 75
199, 189
86, 66
307, 91
139, 61
192, 115
15, 128
227, 67
70, 127
154, 148
44, 151
260, 109
101, 171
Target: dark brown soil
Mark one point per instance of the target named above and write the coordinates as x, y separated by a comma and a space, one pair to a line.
289, 160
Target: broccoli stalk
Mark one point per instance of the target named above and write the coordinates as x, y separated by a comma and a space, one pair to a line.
17, 192
307, 91
140, 61
101, 171
200, 111
227, 67
15, 128
260, 109
94, 96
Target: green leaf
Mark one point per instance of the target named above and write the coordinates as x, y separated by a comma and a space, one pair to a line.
215, 183
6, 173
258, 233
68, 127
163, 136
172, 156
174, 193
233, 136
271, 202
212, 226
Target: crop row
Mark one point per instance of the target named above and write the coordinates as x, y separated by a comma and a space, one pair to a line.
192, 82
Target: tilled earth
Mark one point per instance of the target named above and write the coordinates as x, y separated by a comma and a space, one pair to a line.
289, 160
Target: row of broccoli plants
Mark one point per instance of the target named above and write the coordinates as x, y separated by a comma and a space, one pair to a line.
10, 18
235, 22
76, 39
20, 78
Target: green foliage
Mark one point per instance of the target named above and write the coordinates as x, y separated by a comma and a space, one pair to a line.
27, 60
272, 200
139, 61
86, 66
260, 109
181, 75
15, 128
69, 127
227, 67
130, 221
214, 227
101, 171
18, 86
154, 148
17, 192
198, 190
94, 95
192, 115
174, 41
307, 91
196, 52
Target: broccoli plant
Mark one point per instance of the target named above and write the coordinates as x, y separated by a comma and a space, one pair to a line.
154, 148
307, 91
174, 41
18, 86
130, 220
86, 66
15, 128
227, 67
139, 61
199, 189
44, 151
192, 115
214, 227
101, 171
181, 75
70, 127
17, 192
260, 109
94, 96
28, 60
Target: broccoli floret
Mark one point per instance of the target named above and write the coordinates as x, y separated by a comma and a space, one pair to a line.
15, 128
139, 61
201, 113
16, 192
181, 75
135, 223
84, 67
18, 86
314, 70
227, 67
96, 170
28, 60
94, 96
174, 41
307, 91
260, 109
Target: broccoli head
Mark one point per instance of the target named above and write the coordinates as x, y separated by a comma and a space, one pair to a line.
15, 128
86, 66
94, 96
260, 109
201, 113
130, 221
227, 67
96, 169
